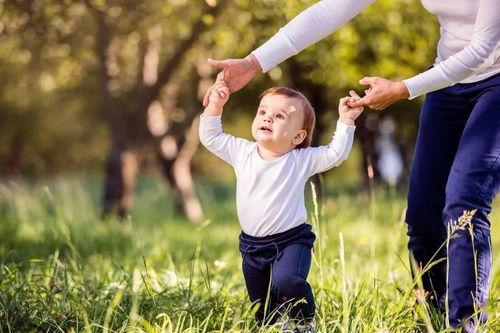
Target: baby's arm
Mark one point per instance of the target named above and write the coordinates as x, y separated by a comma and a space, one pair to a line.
218, 97
319, 159
212, 137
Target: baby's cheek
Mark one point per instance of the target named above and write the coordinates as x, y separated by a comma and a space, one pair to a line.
284, 135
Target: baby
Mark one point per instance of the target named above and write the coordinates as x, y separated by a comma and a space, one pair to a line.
271, 173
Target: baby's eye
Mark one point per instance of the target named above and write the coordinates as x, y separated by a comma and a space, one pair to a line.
280, 116
262, 112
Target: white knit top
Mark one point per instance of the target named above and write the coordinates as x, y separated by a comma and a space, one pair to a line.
270, 194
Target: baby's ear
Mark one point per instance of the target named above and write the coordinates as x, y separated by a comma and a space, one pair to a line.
301, 136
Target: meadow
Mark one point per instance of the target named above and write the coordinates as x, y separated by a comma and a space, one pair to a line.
63, 268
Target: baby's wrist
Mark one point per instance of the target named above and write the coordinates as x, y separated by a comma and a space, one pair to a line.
347, 121
213, 110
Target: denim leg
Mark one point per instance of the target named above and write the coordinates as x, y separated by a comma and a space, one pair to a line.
289, 282
257, 273
442, 121
473, 183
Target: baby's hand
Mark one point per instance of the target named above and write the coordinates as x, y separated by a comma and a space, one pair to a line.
219, 94
348, 114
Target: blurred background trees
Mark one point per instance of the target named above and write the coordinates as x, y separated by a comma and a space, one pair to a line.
115, 86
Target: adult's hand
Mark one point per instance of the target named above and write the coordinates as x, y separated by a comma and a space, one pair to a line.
236, 73
382, 93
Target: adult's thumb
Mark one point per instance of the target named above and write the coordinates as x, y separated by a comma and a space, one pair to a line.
366, 80
221, 64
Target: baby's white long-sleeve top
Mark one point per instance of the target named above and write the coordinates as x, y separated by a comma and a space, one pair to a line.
270, 194
468, 49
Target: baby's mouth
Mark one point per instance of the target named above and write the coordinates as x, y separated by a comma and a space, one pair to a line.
266, 129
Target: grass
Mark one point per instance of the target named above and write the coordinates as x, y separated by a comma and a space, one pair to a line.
64, 269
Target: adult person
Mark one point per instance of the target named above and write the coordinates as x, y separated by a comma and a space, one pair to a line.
456, 166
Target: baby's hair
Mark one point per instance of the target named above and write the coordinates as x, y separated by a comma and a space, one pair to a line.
307, 110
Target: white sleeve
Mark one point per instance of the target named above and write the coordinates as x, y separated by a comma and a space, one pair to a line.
459, 66
322, 158
223, 145
310, 26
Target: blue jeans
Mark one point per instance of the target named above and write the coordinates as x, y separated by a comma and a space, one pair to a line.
456, 168
278, 265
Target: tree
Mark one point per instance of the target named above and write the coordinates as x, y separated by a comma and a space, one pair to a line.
46, 99
127, 103
63, 62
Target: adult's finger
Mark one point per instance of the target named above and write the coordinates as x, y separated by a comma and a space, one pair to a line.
368, 80
360, 102
218, 63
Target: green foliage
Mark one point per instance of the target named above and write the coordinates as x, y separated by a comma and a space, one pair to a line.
50, 99
48, 116
63, 269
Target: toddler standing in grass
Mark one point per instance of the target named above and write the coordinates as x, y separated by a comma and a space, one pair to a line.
271, 173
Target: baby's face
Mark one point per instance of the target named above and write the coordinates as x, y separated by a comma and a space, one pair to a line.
278, 122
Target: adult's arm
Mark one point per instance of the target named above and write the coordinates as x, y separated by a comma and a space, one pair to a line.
311, 25
464, 63
484, 41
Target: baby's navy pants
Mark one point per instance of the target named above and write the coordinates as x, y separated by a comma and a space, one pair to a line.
277, 266
456, 168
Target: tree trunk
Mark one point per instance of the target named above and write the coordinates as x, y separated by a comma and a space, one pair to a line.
367, 132
13, 161
121, 166
183, 177
126, 113
121, 173
175, 158
167, 152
